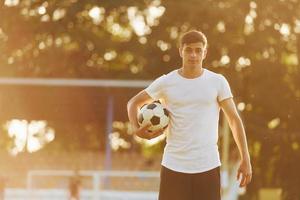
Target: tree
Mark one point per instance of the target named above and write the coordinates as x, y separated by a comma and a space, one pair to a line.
255, 44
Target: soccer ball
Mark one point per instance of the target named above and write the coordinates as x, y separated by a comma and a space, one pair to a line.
154, 114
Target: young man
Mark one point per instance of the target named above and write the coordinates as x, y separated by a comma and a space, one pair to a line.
194, 96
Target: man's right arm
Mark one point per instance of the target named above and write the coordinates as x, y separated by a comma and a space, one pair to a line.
134, 104
132, 109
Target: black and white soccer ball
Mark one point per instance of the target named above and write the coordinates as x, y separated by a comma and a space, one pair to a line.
154, 114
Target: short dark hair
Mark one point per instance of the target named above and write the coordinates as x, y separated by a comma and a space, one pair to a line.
193, 36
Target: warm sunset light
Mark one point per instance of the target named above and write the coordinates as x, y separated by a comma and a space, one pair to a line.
113, 99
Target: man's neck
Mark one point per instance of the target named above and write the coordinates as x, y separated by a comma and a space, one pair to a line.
189, 72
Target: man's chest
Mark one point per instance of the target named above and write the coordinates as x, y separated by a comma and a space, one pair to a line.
192, 94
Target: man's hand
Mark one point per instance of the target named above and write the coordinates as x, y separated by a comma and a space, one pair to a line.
245, 172
144, 133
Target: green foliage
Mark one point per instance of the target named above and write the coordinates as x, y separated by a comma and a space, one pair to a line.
255, 44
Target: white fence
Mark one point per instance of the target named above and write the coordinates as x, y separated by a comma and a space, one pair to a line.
61, 194
102, 185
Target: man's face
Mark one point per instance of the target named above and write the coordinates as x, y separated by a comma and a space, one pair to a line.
192, 54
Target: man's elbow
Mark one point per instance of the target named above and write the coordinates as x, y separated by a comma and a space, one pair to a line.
129, 103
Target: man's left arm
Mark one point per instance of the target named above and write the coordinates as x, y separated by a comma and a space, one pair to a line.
239, 135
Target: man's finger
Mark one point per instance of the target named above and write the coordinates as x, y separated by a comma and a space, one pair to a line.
146, 127
143, 131
156, 133
238, 175
243, 181
249, 178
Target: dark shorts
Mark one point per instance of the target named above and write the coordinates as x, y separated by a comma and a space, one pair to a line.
182, 186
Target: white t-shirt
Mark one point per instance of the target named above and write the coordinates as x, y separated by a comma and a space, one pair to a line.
192, 134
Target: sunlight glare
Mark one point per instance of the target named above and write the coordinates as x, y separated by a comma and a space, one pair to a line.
29, 136
97, 14
11, 3
274, 123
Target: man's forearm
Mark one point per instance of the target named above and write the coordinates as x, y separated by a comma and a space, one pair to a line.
239, 136
132, 110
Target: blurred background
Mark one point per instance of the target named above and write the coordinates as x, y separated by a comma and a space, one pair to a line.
68, 68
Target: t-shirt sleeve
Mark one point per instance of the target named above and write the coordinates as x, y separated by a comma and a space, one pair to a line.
224, 89
155, 89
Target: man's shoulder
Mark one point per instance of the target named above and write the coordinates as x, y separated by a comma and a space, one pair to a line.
171, 73
168, 75
214, 74
217, 78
